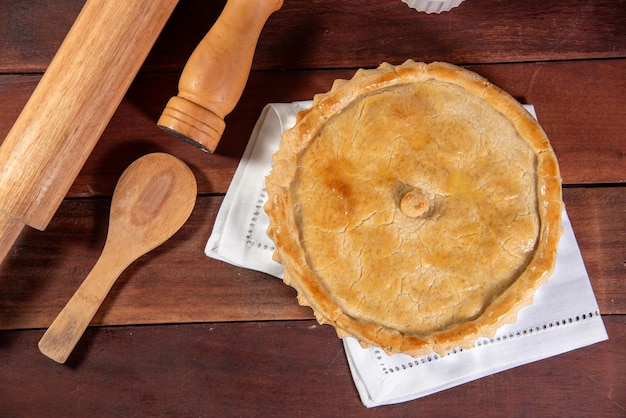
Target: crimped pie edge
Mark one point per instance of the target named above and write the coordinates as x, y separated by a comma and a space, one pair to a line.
284, 231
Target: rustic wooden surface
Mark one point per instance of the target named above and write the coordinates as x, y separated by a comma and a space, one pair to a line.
203, 338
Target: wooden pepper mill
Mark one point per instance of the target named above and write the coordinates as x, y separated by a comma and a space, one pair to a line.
70, 108
215, 75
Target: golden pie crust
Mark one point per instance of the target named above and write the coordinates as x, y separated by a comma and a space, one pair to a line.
415, 208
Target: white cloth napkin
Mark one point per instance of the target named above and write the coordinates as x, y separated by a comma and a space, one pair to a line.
564, 315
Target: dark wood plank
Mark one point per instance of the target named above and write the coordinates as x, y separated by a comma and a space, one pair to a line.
133, 132
174, 283
295, 369
256, 352
32, 31
579, 104
324, 34
602, 244
178, 283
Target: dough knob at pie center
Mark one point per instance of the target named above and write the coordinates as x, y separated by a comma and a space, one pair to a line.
414, 204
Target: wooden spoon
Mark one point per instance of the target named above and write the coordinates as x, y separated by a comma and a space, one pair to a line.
152, 200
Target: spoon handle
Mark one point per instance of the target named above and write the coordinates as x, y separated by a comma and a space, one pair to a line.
65, 331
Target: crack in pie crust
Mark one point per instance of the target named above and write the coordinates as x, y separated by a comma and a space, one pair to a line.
415, 207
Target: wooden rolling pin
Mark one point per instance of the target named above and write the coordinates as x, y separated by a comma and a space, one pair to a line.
215, 75
70, 108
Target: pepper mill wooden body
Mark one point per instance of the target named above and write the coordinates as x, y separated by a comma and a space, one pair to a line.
70, 108
216, 73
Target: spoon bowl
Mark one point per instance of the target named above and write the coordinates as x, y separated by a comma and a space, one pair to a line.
152, 200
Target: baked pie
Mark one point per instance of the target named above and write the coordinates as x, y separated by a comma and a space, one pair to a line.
415, 208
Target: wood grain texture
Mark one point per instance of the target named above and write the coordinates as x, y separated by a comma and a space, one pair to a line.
324, 34
286, 368
260, 354
602, 245
151, 202
178, 283
578, 103
174, 283
73, 103
216, 74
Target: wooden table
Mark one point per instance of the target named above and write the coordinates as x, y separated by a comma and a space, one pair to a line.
183, 334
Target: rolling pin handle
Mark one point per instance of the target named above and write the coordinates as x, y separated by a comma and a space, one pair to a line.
70, 108
216, 73
10, 229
